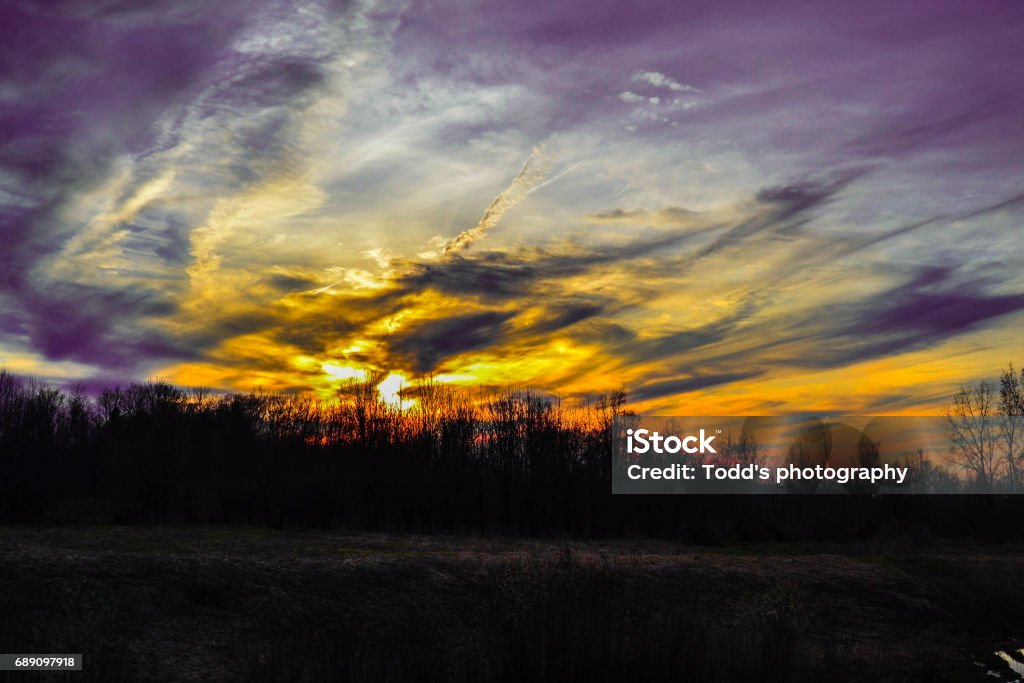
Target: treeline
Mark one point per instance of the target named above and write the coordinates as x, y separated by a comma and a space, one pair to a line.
515, 463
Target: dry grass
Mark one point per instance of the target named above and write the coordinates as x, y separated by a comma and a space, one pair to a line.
169, 603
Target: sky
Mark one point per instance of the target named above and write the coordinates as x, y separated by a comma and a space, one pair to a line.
725, 208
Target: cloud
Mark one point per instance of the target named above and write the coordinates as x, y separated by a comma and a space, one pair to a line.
292, 282
564, 314
426, 344
670, 215
207, 102
683, 385
92, 326
523, 298
935, 304
530, 176
235, 196
660, 80
926, 309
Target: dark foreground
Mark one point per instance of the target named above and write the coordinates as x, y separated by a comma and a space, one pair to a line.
232, 603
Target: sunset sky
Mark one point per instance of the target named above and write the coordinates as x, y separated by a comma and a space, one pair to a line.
725, 208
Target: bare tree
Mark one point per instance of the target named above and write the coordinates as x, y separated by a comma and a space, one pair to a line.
1011, 392
1011, 434
972, 425
1011, 425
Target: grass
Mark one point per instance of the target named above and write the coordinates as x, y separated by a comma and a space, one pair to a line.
239, 603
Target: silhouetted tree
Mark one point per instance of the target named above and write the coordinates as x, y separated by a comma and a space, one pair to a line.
972, 426
1011, 425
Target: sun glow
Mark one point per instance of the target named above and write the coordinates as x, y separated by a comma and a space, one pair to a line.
390, 390
344, 372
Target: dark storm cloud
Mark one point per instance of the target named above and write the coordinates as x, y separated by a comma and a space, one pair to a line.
291, 283
312, 335
684, 385
565, 314
491, 275
426, 344
237, 324
92, 325
933, 306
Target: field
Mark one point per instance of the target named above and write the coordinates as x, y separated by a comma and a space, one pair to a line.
243, 603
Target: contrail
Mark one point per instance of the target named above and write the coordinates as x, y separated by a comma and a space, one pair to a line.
325, 288
529, 179
551, 180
